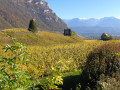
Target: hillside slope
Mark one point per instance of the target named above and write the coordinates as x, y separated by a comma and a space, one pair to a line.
42, 38
17, 14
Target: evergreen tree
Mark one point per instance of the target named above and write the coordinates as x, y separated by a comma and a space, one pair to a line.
32, 26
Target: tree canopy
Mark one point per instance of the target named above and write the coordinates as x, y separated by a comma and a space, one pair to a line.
105, 37
32, 26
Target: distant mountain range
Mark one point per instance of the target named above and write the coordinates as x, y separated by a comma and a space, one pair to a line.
92, 22
93, 28
17, 14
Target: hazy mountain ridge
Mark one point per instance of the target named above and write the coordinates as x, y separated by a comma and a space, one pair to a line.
17, 13
95, 27
103, 22
76, 22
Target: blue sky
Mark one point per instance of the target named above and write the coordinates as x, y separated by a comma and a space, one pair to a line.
68, 9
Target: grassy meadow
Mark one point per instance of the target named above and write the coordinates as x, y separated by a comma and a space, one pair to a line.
49, 50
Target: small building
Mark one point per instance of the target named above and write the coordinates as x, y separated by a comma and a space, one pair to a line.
67, 32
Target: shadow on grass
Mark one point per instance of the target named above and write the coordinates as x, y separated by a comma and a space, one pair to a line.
70, 82
76, 82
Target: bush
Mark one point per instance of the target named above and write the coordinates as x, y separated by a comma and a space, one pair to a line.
11, 76
33, 26
72, 33
105, 37
102, 61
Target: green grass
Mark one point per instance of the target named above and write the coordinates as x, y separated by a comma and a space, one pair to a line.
69, 74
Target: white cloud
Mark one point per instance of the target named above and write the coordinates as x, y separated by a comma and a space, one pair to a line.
83, 18
117, 17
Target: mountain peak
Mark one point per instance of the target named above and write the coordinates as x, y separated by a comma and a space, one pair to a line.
38, 2
109, 18
102, 22
17, 13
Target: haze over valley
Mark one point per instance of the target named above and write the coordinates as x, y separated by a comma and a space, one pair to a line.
93, 28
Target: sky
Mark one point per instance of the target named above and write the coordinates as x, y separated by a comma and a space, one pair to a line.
68, 9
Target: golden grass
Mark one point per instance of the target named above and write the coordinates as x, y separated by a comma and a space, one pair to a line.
41, 39
15, 30
47, 50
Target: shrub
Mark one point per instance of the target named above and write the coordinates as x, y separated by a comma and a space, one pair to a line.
33, 26
72, 32
104, 60
11, 76
105, 37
